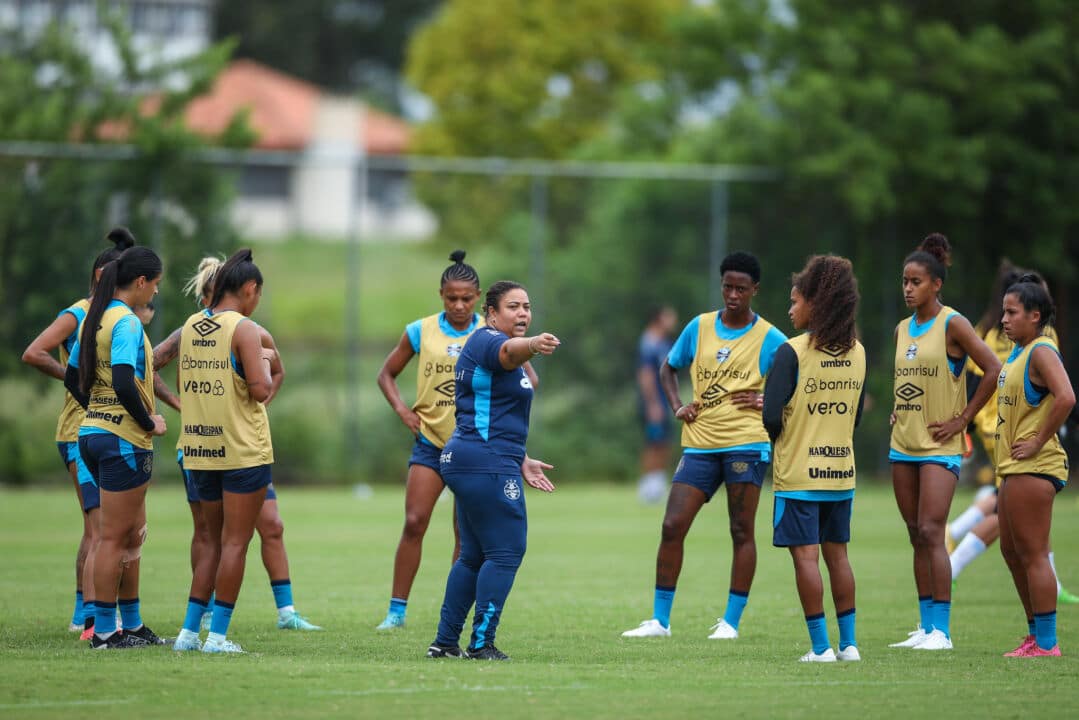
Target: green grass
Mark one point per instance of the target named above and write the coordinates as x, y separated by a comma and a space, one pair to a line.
587, 577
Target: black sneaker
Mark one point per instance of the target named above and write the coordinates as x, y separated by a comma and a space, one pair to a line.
147, 635
444, 651
116, 641
487, 652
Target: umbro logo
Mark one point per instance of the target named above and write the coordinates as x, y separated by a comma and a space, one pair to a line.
908, 391
833, 350
446, 388
205, 327
713, 392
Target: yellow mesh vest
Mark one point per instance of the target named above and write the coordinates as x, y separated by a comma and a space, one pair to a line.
221, 426
67, 425
815, 451
104, 410
435, 402
719, 368
1018, 420
925, 390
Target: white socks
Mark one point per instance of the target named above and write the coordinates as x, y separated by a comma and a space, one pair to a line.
969, 549
965, 522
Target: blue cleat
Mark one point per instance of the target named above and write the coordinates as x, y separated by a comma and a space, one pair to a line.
293, 621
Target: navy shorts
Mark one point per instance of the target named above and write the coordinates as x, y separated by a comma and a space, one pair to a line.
1058, 484
192, 489
810, 522
69, 452
707, 471
114, 463
242, 481
426, 454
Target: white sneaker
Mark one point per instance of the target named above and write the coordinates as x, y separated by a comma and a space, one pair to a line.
935, 640
914, 639
723, 630
221, 646
187, 640
849, 654
649, 628
826, 656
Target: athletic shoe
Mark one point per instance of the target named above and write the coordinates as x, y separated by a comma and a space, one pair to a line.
87, 633
490, 652
187, 640
914, 639
221, 646
444, 651
935, 640
293, 621
392, 621
1024, 647
116, 641
722, 630
649, 628
1066, 598
75, 628
826, 656
1038, 652
148, 635
949, 541
849, 654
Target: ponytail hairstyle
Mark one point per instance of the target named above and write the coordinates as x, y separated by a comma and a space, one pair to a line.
122, 239
1033, 294
460, 271
496, 292
934, 254
828, 284
236, 271
133, 263
201, 284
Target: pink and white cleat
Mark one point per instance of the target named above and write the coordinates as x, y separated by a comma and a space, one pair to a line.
1024, 647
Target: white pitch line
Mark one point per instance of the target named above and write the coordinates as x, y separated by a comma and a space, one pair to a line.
455, 688
63, 703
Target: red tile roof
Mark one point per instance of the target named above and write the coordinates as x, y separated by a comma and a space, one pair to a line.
282, 111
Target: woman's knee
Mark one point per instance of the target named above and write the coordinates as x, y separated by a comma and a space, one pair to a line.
416, 523
271, 529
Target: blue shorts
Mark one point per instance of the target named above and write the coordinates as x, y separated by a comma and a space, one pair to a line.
242, 481
810, 522
114, 463
426, 454
951, 463
707, 471
192, 489
69, 453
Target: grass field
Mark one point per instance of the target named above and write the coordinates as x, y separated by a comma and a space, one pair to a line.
587, 577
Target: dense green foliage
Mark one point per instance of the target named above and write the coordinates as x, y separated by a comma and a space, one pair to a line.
588, 575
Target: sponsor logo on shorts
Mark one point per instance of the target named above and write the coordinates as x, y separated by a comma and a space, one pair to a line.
148, 463
525, 382
740, 467
204, 430
512, 490
445, 458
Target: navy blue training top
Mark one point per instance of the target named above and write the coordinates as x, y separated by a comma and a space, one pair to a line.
493, 405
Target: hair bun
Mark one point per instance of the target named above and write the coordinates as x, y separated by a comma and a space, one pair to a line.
457, 256
121, 237
1030, 277
938, 246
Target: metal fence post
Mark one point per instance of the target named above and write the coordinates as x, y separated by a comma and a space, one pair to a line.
718, 242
